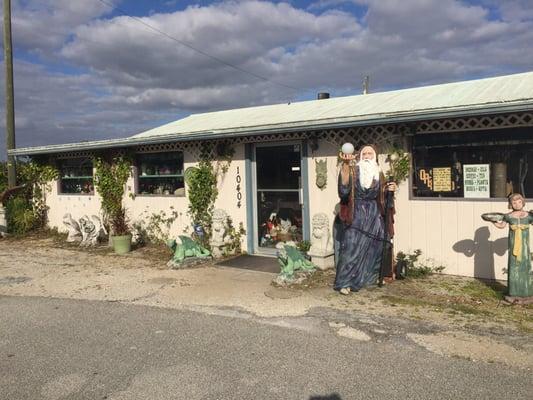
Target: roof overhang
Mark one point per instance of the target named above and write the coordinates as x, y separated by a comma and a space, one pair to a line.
367, 120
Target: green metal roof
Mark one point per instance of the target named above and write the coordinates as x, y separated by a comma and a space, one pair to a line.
508, 93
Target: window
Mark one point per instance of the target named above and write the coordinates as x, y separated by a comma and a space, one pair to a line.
482, 164
76, 176
160, 174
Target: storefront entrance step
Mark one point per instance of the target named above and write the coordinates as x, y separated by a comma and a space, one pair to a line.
254, 263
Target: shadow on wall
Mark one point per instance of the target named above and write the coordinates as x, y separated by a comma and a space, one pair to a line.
483, 250
333, 396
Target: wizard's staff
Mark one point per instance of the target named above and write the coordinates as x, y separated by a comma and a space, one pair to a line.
386, 253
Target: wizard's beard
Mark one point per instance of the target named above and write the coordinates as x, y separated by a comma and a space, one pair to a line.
368, 171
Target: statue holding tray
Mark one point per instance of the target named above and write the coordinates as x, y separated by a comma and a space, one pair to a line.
519, 274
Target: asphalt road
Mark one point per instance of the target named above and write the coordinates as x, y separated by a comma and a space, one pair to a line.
70, 349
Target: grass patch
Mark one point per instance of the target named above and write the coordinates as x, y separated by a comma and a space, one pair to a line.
484, 291
525, 326
466, 309
405, 301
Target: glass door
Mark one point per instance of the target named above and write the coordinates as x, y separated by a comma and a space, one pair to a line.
278, 195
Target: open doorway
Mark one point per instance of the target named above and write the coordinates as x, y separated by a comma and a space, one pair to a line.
278, 195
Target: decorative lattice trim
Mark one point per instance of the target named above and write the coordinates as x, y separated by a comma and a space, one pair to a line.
514, 120
160, 147
380, 135
74, 154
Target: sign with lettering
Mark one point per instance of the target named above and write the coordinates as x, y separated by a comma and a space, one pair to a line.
424, 180
442, 179
476, 180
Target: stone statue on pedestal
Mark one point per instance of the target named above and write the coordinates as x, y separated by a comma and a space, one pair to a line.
218, 232
321, 250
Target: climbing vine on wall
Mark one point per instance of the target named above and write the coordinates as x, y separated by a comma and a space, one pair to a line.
202, 193
225, 152
110, 181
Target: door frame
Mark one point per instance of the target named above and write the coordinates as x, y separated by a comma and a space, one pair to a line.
251, 193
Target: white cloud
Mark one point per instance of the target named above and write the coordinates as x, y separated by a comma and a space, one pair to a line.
136, 78
42, 26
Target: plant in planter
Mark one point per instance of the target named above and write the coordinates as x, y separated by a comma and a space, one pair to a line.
110, 181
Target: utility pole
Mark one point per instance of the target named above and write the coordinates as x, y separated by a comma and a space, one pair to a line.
10, 94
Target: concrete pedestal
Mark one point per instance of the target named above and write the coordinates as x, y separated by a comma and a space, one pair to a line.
217, 251
323, 261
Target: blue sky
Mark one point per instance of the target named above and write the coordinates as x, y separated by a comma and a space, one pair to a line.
84, 70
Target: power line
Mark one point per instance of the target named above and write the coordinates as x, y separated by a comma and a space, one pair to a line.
219, 60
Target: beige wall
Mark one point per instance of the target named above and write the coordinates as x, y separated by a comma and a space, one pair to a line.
76, 205
323, 200
453, 234
141, 207
450, 232
227, 190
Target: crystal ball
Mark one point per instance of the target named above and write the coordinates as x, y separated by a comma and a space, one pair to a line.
347, 148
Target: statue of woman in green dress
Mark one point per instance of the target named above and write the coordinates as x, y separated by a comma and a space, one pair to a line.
519, 274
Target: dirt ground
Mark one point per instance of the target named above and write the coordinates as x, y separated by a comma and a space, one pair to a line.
453, 316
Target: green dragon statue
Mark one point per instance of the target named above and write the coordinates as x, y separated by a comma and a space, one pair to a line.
292, 260
187, 248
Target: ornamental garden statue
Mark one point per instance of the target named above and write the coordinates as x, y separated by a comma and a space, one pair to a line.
294, 266
321, 170
519, 274
218, 232
187, 252
321, 250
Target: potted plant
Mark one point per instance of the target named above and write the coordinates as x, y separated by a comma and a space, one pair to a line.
121, 233
110, 180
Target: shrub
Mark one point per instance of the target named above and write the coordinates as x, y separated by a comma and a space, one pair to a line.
20, 216
234, 235
26, 209
154, 227
410, 266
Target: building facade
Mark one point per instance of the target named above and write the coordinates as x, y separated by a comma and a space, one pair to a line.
470, 145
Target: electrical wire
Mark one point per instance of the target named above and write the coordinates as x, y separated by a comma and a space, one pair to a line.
219, 60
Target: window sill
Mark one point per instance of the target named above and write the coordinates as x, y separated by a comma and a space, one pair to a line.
477, 199
76, 194
160, 195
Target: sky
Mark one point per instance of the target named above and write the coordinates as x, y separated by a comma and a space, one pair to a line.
101, 69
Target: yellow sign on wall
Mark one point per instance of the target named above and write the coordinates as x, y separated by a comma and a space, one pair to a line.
442, 179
